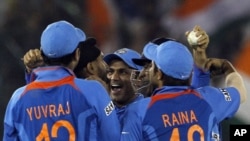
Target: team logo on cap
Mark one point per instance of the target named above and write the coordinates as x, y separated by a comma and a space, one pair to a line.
121, 51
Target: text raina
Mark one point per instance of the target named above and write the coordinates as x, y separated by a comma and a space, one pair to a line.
45, 111
178, 118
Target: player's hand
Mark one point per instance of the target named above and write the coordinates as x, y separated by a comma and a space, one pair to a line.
199, 50
33, 59
219, 66
214, 65
203, 41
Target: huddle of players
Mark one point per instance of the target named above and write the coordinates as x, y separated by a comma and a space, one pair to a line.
63, 101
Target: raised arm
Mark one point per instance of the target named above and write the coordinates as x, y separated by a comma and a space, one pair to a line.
233, 78
32, 59
201, 77
199, 47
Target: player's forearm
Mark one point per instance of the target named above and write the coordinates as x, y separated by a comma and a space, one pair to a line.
227, 67
234, 79
200, 57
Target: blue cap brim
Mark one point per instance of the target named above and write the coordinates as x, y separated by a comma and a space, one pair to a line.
141, 62
150, 51
110, 57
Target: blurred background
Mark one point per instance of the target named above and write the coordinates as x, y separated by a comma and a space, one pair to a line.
125, 23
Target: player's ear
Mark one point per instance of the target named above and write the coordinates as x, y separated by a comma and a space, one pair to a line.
90, 68
77, 54
159, 74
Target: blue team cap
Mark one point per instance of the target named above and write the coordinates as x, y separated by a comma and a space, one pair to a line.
126, 55
172, 58
60, 38
146, 58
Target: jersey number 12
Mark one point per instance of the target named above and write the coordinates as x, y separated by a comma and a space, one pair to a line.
44, 133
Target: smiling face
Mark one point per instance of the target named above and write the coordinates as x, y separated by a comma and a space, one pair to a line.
121, 90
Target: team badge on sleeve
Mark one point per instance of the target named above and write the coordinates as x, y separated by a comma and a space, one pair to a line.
226, 94
109, 108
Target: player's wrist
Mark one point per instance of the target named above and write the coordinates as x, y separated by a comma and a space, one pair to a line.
28, 70
227, 67
200, 58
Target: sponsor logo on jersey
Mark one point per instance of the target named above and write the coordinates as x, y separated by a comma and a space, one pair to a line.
215, 136
109, 108
226, 94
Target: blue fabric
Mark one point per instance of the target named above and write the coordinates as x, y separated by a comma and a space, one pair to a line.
27, 77
155, 119
120, 111
172, 58
60, 38
126, 55
57, 102
149, 50
200, 78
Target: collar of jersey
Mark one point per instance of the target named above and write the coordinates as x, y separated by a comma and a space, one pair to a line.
170, 89
51, 73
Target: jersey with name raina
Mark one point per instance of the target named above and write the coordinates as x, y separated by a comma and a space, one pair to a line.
179, 113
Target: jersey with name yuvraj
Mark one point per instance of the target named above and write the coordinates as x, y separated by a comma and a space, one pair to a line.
57, 106
180, 113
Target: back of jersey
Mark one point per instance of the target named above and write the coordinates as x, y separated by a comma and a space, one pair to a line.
183, 116
50, 111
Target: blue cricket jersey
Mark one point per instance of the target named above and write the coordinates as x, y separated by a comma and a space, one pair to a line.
120, 111
57, 106
200, 78
180, 113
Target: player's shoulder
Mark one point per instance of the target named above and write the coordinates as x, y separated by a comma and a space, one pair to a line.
140, 105
138, 109
84, 82
207, 89
216, 90
90, 86
212, 93
17, 94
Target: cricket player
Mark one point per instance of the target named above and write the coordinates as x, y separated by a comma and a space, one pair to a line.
91, 65
57, 105
176, 111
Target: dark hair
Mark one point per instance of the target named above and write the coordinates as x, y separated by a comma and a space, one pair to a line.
81, 73
88, 53
170, 81
65, 60
161, 40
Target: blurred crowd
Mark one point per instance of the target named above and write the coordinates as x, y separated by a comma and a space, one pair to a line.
118, 24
